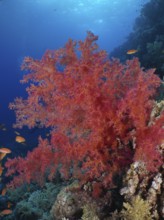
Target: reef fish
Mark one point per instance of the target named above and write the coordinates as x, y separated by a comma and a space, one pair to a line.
132, 51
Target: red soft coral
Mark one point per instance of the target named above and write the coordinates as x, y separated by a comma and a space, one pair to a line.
95, 108
35, 167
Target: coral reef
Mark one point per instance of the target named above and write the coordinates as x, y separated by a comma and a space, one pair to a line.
106, 133
98, 111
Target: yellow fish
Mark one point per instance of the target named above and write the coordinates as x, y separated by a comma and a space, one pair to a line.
3, 152
20, 139
132, 51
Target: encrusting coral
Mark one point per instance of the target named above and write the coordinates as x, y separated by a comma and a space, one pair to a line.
66, 205
156, 111
89, 212
136, 179
136, 209
71, 203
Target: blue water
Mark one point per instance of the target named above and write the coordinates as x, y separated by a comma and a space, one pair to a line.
29, 27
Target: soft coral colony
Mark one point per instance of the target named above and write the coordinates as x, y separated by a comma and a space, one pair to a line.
99, 112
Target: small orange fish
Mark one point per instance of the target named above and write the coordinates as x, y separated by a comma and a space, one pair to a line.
6, 212
4, 192
5, 150
1, 170
9, 204
132, 51
20, 139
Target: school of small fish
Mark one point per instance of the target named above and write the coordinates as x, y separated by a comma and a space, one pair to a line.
3, 152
